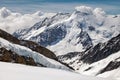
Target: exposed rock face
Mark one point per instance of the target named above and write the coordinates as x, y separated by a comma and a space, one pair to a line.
9, 37
35, 47
102, 50
9, 56
111, 66
69, 56
50, 36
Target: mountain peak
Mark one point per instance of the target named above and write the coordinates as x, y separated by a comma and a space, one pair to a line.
4, 12
84, 9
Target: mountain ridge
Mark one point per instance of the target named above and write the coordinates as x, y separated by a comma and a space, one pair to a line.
64, 33
27, 52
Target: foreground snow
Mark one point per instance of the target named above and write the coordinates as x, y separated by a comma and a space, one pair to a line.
22, 72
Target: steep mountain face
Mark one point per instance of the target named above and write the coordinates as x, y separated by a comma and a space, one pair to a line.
32, 45
102, 50
46, 21
102, 58
76, 32
27, 52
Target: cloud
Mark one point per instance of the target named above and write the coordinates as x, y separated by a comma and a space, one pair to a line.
10, 21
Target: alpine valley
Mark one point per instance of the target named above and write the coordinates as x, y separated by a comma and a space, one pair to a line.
86, 41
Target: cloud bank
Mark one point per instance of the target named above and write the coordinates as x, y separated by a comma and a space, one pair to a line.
10, 21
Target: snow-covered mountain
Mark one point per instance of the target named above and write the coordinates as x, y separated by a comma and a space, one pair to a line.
76, 32
100, 60
88, 40
27, 52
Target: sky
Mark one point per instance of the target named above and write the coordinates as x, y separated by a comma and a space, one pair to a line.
30, 6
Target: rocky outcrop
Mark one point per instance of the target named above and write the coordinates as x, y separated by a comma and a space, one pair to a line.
8, 37
102, 50
111, 66
32, 45
10, 56
69, 56
35, 47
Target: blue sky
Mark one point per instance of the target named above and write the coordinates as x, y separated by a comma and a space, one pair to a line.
30, 6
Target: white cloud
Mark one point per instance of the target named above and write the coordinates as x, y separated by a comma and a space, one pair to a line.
10, 21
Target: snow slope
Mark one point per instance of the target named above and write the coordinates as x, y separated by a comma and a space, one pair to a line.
114, 74
99, 65
22, 72
95, 68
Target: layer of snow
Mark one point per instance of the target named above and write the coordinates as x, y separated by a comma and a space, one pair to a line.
10, 71
114, 74
38, 58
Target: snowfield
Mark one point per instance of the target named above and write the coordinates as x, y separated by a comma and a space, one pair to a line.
9, 71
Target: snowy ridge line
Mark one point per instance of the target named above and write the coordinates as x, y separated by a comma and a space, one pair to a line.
100, 65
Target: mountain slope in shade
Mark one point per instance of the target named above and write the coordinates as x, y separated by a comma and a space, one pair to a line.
18, 51
29, 44
76, 32
21, 72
